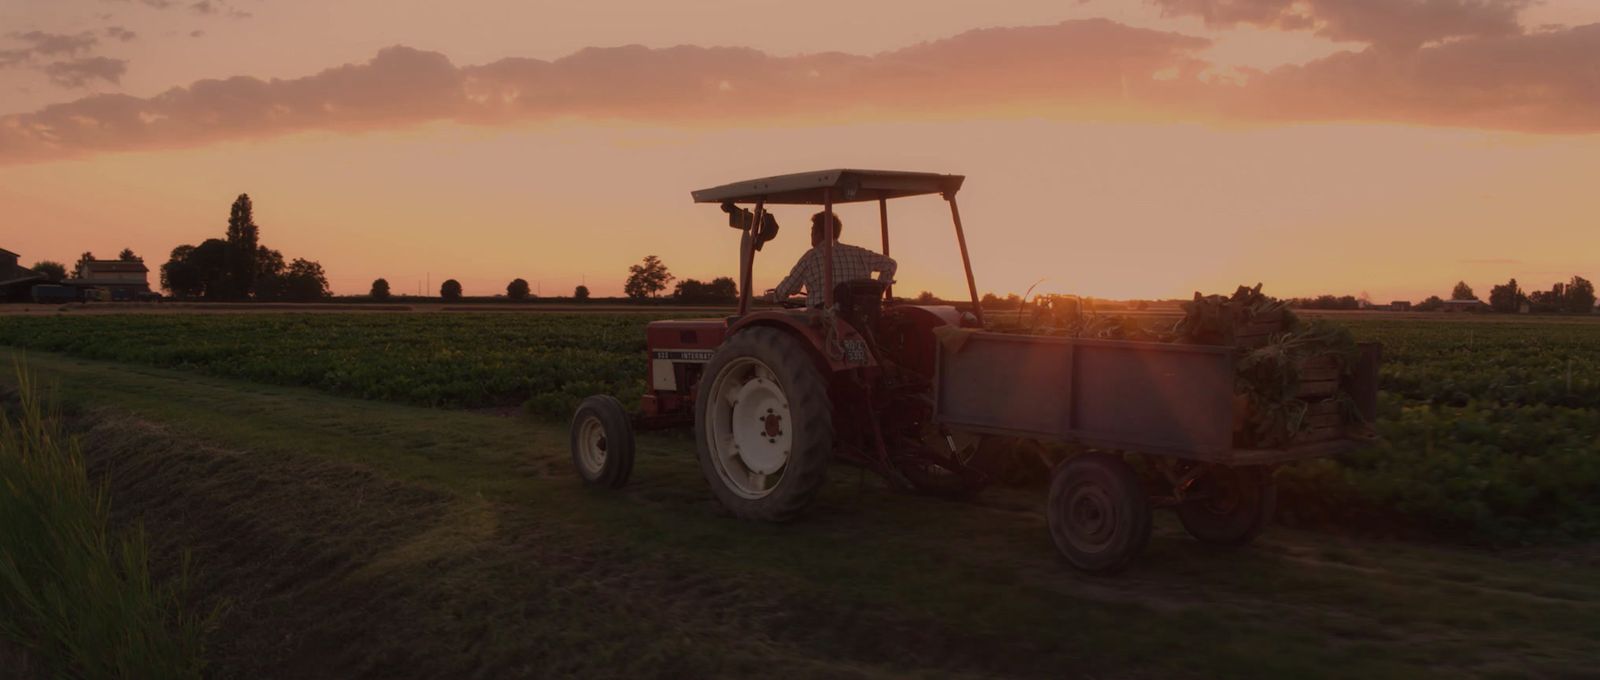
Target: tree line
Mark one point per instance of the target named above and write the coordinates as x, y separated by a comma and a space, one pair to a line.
646, 281
1575, 296
239, 267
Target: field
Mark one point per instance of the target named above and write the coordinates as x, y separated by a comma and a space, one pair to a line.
1492, 429
353, 527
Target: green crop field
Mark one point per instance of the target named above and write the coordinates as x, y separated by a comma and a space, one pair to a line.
326, 484
1491, 430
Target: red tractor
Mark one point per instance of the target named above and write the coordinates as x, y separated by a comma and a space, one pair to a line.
776, 395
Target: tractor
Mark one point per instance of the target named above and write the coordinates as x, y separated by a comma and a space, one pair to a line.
777, 394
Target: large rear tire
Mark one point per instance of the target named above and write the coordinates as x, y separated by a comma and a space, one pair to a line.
764, 425
1098, 512
1232, 505
601, 439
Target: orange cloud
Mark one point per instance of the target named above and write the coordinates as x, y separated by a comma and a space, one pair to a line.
1542, 82
1389, 23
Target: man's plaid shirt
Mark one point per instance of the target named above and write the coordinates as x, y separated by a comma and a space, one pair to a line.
850, 263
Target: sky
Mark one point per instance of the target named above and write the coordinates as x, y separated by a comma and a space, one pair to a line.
1114, 148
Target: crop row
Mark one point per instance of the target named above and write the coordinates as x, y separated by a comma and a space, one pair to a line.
544, 362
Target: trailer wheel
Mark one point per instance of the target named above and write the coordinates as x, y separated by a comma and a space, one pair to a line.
764, 425
602, 442
1099, 514
1231, 505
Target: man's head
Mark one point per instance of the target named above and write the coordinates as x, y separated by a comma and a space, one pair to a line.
819, 224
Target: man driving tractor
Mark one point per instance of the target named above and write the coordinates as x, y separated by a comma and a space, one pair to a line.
850, 263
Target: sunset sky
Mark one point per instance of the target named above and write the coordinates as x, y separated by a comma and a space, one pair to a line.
1129, 148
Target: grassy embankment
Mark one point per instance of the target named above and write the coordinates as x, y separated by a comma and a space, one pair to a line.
356, 537
77, 598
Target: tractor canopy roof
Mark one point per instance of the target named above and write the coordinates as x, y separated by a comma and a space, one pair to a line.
846, 186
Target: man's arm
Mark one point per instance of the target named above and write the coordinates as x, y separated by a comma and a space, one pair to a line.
797, 276
884, 265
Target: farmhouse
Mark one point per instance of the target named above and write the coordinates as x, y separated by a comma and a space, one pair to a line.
15, 280
1400, 306
120, 279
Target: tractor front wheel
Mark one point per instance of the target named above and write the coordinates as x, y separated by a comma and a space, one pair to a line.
602, 442
764, 425
1229, 506
1098, 512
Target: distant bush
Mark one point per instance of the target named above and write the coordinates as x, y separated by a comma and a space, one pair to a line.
1327, 302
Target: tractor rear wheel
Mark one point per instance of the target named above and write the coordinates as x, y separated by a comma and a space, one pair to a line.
1098, 512
764, 425
1230, 505
602, 442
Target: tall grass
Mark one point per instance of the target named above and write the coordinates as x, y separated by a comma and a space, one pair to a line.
76, 595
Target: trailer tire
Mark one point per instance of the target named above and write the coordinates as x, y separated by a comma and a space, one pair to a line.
1098, 512
1237, 505
601, 439
764, 373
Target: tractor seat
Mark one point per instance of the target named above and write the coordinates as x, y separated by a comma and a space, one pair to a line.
861, 305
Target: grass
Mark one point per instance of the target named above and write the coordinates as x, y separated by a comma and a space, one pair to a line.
363, 538
77, 596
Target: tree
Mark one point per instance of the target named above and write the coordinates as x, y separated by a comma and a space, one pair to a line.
210, 258
1327, 301
53, 272
926, 298
304, 281
581, 293
127, 256
1432, 304
720, 289
517, 289
239, 267
380, 289
450, 289
269, 262
1580, 296
1507, 298
300, 281
1462, 291
196, 271
179, 276
243, 253
83, 261
647, 279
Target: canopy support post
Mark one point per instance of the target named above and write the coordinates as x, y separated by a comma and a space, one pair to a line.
966, 261
883, 223
747, 255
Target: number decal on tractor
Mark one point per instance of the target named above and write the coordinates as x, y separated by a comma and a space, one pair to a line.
698, 356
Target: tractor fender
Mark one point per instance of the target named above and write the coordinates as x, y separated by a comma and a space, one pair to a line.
808, 327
